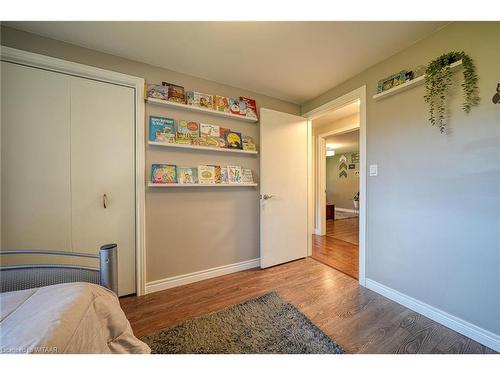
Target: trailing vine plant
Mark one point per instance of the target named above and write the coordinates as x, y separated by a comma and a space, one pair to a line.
438, 80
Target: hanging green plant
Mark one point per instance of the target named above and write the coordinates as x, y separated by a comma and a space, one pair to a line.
438, 80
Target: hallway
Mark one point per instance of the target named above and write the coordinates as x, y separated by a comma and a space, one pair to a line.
339, 248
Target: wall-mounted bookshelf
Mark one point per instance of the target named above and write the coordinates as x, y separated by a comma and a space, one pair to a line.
201, 148
193, 108
151, 184
410, 84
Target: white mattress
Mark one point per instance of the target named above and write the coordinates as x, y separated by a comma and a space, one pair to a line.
65, 318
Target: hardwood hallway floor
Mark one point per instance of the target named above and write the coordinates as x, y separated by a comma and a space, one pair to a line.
358, 319
339, 248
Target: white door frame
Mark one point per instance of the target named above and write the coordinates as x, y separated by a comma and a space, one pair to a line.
320, 158
358, 94
61, 66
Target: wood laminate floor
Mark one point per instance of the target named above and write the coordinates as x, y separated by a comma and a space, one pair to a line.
339, 248
357, 318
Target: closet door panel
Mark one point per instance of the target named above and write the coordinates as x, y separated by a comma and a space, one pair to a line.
35, 159
102, 172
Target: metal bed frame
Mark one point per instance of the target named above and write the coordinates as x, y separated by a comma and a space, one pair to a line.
26, 276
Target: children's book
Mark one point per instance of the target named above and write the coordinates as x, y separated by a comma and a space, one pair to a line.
190, 98
217, 174
222, 103
175, 92
187, 175
234, 106
243, 107
251, 106
234, 174
246, 176
248, 143
204, 100
187, 132
206, 174
163, 174
161, 129
223, 133
157, 92
210, 136
223, 174
233, 140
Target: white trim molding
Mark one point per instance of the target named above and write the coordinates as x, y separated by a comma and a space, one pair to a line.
16, 56
350, 97
171, 282
470, 330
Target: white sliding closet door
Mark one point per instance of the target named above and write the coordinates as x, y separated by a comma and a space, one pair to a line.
102, 172
35, 159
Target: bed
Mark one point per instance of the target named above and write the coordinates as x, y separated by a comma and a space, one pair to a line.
63, 308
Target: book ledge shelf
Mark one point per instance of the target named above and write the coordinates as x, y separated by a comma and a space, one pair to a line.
205, 148
151, 184
412, 83
193, 108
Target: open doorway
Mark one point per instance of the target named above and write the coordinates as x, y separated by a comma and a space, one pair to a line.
338, 182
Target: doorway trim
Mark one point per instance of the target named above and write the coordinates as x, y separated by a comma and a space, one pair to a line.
35, 60
357, 94
320, 158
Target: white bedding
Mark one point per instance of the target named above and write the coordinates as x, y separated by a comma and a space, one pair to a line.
65, 318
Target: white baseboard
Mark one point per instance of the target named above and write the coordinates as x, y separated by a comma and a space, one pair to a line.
170, 282
470, 330
345, 210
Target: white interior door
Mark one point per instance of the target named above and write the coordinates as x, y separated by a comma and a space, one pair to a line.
102, 172
35, 158
283, 187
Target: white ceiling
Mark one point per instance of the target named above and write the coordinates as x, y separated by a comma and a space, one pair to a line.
293, 61
332, 116
347, 142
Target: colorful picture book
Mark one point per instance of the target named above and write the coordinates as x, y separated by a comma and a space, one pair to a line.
234, 174
161, 129
217, 174
203, 100
222, 103
248, 143
157, 92
210, 136
233, 140
223, 173
163, 174
234, 106
187, 132
206, 174
251, 107
246, 176
175, 93
187, 175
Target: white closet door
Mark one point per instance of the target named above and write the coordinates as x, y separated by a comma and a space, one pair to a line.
102, 163
35, 159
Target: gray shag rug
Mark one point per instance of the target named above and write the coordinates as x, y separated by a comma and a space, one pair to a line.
267, 324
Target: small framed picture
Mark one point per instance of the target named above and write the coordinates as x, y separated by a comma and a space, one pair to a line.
352, 166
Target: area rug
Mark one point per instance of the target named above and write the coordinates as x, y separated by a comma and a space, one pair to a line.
267, 324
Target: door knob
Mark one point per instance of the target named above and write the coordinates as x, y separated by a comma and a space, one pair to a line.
267, 196
105, 201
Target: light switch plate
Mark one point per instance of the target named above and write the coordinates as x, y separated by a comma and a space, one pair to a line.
373, 170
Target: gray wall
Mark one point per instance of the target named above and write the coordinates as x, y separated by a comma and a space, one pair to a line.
341, 190
433, 212
187, 230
